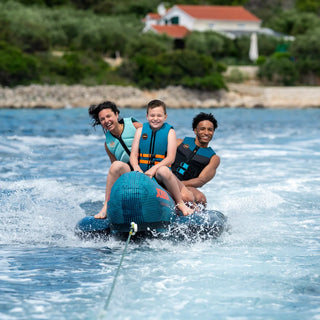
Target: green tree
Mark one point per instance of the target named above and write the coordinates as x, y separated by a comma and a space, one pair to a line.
72, 68
25, 27
279, 69
292, 22
16, 67
306, 52
308, 5
174, 68
148, 44
268, 44
210, 43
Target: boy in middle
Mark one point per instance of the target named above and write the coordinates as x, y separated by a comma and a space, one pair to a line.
154, 149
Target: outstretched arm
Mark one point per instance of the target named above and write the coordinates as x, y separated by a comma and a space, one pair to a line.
205, 175
135, 151
137, 125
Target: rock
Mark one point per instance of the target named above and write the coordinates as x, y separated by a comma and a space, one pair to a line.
239, 95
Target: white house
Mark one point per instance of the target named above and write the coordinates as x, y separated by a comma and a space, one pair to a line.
151, 19
228, 20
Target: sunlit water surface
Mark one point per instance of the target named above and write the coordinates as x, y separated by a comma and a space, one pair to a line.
267, 266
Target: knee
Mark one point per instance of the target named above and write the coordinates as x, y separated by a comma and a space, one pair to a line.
115, 165
163, 173
187, 196
119, 167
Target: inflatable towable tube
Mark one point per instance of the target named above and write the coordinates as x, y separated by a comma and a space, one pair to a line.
137, 198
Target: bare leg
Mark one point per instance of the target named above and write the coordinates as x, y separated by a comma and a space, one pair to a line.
165, 176
199, 197
186, 194
117, 169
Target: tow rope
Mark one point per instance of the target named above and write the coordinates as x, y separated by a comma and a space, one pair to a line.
132, 232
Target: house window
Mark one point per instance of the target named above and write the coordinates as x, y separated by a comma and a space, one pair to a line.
241, 25
210, 25
175, 20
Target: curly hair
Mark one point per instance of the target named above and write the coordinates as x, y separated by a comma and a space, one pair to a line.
204, 116
95, 109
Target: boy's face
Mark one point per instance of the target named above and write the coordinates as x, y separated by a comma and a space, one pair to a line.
156, 117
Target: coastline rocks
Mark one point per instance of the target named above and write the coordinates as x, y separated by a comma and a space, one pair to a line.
239, 95
255, 96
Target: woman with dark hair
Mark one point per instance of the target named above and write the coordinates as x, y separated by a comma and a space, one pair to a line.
119, 137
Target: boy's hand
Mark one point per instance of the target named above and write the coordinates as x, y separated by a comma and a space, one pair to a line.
150, 173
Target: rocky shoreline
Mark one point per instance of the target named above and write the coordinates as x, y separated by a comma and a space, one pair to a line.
248, 95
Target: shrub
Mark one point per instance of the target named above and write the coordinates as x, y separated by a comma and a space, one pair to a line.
174, 68
72, 68
293, 22
210, 82
209, 43
25, 27
242, 45
306, 52
148, 44
16, 67
308, 6
268, 44
105, 34
235, 76
261, 60
279, 69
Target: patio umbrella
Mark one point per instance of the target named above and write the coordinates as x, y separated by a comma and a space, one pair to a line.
253, 52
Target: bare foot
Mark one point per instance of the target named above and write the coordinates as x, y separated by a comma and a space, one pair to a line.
184, 209
101, 215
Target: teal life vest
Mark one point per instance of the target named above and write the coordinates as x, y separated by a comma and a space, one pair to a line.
153, 146
114, 145
190, 159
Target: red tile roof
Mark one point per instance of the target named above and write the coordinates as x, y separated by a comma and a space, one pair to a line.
173, 30
218, 12
154, 15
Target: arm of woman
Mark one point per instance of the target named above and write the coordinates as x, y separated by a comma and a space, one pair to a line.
137, 125
111, 156
135, 151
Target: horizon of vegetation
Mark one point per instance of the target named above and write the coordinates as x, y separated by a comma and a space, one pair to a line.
85, 32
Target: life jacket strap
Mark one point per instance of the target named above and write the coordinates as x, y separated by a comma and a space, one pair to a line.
147, 155
151, 162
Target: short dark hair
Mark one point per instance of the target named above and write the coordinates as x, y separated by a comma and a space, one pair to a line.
156, 103
204, 116
95, 109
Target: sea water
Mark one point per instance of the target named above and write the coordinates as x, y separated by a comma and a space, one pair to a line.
266, 266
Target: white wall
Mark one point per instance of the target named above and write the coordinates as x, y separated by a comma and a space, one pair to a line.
184, 19
202, 25
149, 21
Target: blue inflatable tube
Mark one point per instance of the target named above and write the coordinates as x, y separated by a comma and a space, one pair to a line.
137, 198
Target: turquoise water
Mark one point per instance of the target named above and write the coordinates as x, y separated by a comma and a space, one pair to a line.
267, 266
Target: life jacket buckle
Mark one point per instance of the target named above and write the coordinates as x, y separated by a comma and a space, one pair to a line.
183, 167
